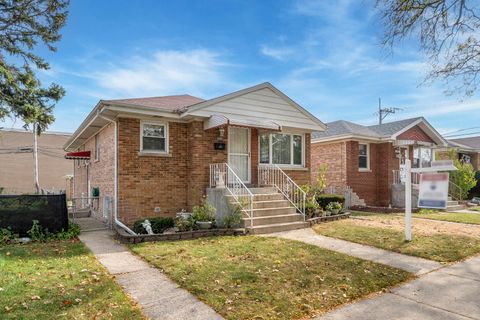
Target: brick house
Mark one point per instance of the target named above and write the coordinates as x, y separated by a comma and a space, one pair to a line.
467, 150
156, 156
369, 160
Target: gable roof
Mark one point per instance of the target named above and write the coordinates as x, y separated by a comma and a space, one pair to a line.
169, 103
470, 142
342, 128
386, 131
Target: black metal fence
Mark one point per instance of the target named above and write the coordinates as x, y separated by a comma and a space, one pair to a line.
18, 212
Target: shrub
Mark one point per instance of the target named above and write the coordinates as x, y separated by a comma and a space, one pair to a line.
204, 212
427, 211
322, 177
184, 224
37, 233
311, 207
72, 232
234, 216
6, 236
324, 199
333, 206
159, 224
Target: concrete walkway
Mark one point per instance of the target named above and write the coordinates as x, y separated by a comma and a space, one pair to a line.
451, 293
159, 297
415, 265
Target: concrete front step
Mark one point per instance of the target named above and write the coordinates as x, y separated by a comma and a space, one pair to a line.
264, 212
452, 203
278, 227
455, 208
271, 220
263, 190
262, 197
81, 213
270, 204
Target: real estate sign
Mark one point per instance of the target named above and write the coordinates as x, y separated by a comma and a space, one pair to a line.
433, 191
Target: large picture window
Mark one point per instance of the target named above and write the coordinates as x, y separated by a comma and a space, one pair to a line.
363, 156
154, 137
281, 149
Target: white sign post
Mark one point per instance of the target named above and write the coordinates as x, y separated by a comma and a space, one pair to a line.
433, 194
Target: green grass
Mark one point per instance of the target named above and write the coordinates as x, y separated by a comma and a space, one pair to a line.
474, 208
267, 278
61, 280
470, 218
439, 247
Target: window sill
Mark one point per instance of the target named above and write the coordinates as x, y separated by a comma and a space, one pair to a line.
293, 168
364, 170
153, 154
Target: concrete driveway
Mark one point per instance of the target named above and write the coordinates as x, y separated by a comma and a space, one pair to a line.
449, 293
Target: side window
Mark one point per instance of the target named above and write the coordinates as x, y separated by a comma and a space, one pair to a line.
363, 156
154, 137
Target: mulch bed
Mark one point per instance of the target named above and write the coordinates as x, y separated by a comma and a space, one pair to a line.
123, 236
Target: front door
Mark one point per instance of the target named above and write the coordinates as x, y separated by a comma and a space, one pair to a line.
239, 152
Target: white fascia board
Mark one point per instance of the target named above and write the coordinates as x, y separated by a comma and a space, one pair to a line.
83, 126
351, 137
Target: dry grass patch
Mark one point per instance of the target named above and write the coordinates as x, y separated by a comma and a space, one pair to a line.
267, 278
434, 240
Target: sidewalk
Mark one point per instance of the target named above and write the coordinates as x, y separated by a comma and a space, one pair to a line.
416, 265
159, 297
451, 293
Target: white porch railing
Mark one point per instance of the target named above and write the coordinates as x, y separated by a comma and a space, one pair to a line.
223, 176
399, 177
272, 175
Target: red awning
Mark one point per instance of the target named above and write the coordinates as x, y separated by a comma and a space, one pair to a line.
79, 155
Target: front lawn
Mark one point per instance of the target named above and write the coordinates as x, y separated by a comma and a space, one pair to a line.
386, 234
61, 280
252, 277
470, 218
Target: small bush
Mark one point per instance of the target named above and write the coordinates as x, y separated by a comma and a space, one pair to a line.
204, 212
332, 206
311, 207
6, 236
324, 199
37, 233
72, 232
184, 224
159, 224
427, 211
234, 217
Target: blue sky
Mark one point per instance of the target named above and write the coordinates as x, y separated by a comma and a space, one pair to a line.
323, 54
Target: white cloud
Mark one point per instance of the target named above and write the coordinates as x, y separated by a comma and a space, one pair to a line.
278, 53
197, 72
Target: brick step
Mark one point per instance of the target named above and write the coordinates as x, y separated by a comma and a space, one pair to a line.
278, 227
263, 212
276, 219
270, 204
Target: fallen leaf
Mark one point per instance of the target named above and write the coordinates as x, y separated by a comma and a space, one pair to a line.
35, 298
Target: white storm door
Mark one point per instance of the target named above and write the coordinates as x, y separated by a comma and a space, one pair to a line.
404, 154
239, 152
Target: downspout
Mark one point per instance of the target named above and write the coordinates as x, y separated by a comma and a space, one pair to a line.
115, 188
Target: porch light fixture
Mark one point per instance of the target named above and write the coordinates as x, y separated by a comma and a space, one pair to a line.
221, 133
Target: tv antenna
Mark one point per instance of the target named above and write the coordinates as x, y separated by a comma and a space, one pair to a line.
384, 112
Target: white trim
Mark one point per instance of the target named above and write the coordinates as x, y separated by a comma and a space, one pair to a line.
350, 137
290, 166
367, 169
161, 123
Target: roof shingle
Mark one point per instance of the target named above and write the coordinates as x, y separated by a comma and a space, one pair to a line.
170, 103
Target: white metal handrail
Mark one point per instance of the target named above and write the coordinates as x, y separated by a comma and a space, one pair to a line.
397, 177
455, 191
272, 175
223, 176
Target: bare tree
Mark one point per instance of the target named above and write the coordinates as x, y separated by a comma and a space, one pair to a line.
448, 33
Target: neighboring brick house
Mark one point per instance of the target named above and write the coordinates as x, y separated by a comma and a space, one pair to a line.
152, 156
466, 149
370, 159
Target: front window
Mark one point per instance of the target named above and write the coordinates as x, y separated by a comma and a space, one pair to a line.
281, 149
363, 156
422, 157
154, 137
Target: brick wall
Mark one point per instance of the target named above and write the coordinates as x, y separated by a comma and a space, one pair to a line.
334, 156
415, 133
101, 173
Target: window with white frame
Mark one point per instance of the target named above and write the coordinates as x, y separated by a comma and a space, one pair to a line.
422, 157
154, 137
363, 156
97, 148
281, 149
